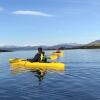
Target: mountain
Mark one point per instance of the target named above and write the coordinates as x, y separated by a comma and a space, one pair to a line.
14, 48
91, 45
62, 46
94, 43
4, 50
65, 46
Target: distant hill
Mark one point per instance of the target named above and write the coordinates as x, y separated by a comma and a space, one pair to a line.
65, 46
62, 46
16, 48
92, 45
4, 50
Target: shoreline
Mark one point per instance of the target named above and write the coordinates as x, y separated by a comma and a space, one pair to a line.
5, 51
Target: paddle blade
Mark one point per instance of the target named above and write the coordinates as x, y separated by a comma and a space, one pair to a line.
53, 57
57, 54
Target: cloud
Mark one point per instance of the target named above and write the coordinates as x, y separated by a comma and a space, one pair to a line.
1, 8
33, 13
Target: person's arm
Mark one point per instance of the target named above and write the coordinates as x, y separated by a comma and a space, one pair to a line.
36, 57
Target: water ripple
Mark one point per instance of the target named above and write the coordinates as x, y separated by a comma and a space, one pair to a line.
79, 81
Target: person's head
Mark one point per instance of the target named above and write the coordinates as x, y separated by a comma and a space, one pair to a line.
40, 50
58, 49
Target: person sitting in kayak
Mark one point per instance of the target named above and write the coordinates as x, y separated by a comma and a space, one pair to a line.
39, 57
57, 51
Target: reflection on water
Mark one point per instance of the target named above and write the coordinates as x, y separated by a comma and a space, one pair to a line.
38, 72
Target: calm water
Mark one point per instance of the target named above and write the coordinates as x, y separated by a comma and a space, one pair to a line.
79, 81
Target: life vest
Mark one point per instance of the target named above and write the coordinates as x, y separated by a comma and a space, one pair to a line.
43, 57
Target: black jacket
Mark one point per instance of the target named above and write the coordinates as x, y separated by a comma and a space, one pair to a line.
37, 58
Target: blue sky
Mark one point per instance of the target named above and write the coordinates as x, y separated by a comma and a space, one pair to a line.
49, 22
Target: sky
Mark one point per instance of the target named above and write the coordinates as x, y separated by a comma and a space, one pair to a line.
49, 22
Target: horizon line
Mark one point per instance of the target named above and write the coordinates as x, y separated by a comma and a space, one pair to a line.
44, 44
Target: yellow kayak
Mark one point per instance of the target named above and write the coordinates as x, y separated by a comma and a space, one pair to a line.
37, 65
57, 54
